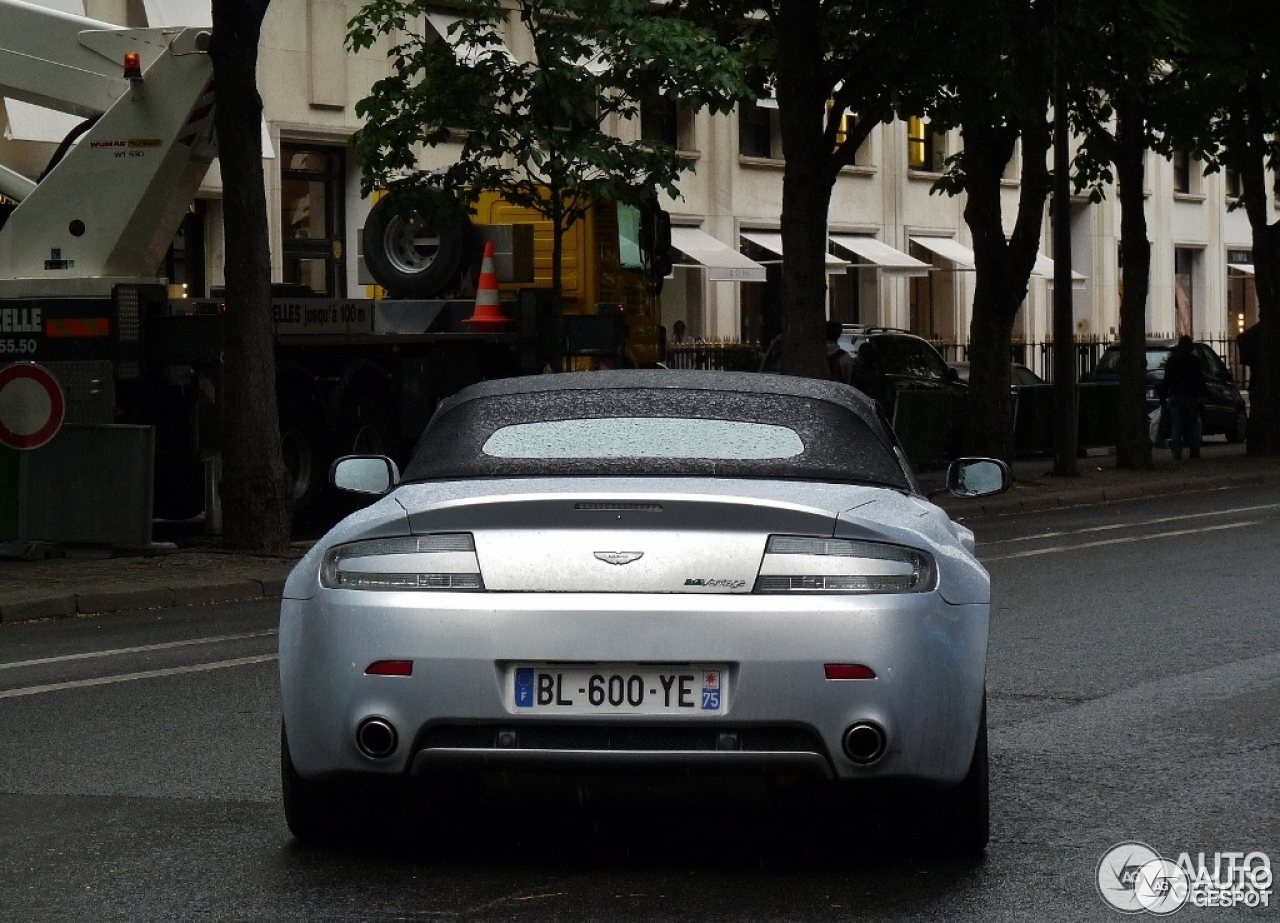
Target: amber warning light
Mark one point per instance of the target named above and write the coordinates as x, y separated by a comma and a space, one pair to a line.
132, 65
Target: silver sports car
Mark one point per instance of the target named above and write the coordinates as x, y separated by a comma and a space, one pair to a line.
655, 570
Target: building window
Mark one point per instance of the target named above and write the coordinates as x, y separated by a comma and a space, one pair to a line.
659, 122
862, 156
759, 132
1182, 172
926, 148
669, 122
311, 220
1235, 187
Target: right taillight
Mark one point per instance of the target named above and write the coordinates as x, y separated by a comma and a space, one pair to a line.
796, 564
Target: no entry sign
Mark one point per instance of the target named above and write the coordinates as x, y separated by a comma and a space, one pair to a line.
31, 406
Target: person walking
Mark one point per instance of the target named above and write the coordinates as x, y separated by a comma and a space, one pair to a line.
1181, 392
839, 362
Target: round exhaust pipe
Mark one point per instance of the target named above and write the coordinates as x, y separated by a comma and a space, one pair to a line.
864, 742
376, 738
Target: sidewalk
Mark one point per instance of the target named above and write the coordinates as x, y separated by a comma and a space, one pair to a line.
1036, 488
88, 581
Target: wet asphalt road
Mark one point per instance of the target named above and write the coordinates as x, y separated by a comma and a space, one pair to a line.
1134, 695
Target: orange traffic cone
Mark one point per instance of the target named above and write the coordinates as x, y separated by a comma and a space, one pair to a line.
487, 313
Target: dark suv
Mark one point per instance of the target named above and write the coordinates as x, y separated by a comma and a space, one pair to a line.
1224, 410
904, 360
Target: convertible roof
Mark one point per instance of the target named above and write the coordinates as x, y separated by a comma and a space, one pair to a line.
844, 434
675, 379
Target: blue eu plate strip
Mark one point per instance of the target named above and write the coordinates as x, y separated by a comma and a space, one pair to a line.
524, 687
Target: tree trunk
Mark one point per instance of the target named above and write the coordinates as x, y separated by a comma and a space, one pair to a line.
1251, 132
1003, 272
806, 189
1133, 437
257, 498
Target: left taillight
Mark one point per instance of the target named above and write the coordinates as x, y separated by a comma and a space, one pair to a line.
797, 564
444, 561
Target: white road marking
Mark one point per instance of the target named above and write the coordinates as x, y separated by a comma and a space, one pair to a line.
130, 677
1118, 541
168, 645
1131, 525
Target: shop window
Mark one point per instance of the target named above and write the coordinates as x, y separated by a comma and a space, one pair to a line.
926, 147
311, 221
1184, 264
184, 264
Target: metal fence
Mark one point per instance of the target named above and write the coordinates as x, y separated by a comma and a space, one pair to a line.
731, 356
716, 356
1038, 356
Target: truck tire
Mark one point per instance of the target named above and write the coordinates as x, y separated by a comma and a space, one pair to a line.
408, 256
366, 429
301, 444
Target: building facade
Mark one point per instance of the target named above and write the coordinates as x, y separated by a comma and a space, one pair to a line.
899, 254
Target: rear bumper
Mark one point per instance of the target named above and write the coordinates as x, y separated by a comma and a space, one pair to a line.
929, 658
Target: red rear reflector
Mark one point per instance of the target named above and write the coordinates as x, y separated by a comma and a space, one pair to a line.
849, 671
77, 327
390, 668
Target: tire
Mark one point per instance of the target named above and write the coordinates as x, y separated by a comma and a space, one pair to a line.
310, 809
961, 815
329, 812
1239, 427
409, 257
366, 429
302, 446
1158, 437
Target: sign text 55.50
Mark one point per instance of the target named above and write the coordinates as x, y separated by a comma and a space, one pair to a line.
17, 347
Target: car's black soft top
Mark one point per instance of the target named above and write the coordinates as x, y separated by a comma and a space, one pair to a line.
845, 436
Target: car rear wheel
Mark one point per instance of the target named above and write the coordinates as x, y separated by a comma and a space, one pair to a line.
308, 806
961, 815
326, 812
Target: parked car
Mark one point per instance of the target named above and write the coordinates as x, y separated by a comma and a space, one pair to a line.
647, 570
1224, 411
1021, 375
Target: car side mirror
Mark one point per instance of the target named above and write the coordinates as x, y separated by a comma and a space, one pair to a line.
952, 374
364, 474
978, 477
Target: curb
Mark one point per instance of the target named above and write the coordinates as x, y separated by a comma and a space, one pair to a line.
183, 594
1006, 505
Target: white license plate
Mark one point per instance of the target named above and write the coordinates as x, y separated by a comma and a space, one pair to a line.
620, 689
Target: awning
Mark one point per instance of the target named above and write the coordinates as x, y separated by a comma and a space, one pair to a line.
1245, 269
1044, 268
723, 263
948, 249
881, 254
772, 241
465, 52
962, 256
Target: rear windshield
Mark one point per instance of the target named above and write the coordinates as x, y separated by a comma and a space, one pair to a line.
1110, 362
655, 432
